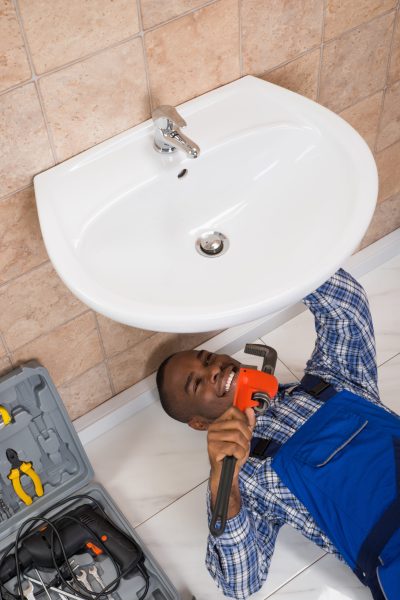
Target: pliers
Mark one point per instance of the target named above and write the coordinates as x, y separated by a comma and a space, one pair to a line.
5, 416
22, 468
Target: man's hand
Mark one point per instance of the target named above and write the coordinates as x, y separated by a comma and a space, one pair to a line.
229, 435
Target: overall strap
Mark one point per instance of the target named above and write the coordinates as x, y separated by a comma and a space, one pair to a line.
262, 448
317, 387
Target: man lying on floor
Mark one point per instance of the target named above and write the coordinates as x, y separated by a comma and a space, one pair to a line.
333, 469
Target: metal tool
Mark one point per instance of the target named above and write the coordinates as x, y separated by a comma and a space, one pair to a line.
82, 577
28, 591
18, 468
4, 508
54, 589
254, 389
94, 572
42, 583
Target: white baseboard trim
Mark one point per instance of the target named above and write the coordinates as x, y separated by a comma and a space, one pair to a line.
142, 394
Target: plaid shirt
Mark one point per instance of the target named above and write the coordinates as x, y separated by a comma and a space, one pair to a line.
344, 355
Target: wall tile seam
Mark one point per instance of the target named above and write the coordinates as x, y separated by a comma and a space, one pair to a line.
325, 43
103, 350
394, 196
241, 67
31, 270
146, 66
180, 16
142, 33
72, 380
292, 60
8, 352
388, 62
10, 194
38, 77
321, 52
85, 311
113, 355
360, 26
288, 62
33, 80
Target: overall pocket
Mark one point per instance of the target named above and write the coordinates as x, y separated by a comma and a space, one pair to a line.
331, 441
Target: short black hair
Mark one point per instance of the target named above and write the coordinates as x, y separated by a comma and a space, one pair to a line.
176, 410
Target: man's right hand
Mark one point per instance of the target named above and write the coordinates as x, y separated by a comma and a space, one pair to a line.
229, 435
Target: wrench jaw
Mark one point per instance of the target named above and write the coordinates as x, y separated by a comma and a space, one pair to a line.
27, 590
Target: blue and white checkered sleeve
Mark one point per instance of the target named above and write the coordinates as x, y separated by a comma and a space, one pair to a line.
239, 559
344, 352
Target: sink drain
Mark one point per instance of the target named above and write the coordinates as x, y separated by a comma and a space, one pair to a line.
212, 244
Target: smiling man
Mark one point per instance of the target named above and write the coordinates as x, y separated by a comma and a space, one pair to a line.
197, 387
333, 469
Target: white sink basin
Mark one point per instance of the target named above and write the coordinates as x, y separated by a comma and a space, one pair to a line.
290, 184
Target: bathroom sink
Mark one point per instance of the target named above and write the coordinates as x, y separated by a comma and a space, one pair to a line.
290, 186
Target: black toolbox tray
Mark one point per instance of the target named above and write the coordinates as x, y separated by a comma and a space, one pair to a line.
42, 433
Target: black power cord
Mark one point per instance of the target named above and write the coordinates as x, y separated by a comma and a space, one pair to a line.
52, 523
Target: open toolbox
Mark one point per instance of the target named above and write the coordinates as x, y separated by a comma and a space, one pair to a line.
45, 474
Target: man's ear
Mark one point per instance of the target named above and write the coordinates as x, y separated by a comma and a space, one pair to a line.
198, 423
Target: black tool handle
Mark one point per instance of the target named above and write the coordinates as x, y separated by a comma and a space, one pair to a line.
220, 512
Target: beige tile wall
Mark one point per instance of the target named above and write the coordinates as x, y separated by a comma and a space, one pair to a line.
73, 74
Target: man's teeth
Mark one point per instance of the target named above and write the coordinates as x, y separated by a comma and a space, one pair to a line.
229, 381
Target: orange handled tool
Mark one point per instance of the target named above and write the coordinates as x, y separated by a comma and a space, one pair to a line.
254, 389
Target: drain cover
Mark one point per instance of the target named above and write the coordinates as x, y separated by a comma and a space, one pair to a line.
212, 244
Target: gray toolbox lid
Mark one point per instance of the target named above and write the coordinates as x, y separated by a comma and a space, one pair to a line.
41, 433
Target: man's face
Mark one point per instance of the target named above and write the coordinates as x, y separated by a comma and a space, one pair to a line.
205, 380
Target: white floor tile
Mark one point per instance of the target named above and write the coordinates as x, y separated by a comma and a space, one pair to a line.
389, 383
177, 539
295, 340
328, 579
149, 461
383, 288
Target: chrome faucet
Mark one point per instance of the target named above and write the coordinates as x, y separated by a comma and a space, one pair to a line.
168, 136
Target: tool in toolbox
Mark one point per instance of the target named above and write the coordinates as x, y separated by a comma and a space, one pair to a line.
73, 520
254, 389
18, 468
54, 589
78, 530
5, 417
27, 591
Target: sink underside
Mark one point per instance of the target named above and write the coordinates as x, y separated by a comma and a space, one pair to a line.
291, 185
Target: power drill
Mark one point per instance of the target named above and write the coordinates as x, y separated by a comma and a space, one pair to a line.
75, 527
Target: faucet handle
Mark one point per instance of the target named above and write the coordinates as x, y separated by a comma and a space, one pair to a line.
171, 115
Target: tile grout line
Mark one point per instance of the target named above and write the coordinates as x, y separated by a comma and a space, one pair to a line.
137, 34
241, 68
103, 350
35, 81
145, 60
388, 360
326, 43
386, 86
278, 589
321, 51
172, 502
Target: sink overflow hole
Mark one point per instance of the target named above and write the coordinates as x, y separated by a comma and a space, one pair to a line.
182, 173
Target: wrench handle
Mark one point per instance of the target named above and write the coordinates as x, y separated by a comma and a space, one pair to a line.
220, 512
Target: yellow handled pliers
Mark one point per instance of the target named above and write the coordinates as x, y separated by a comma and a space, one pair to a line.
22, 468
5, 415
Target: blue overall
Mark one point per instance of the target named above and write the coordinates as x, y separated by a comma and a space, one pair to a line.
344, 466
